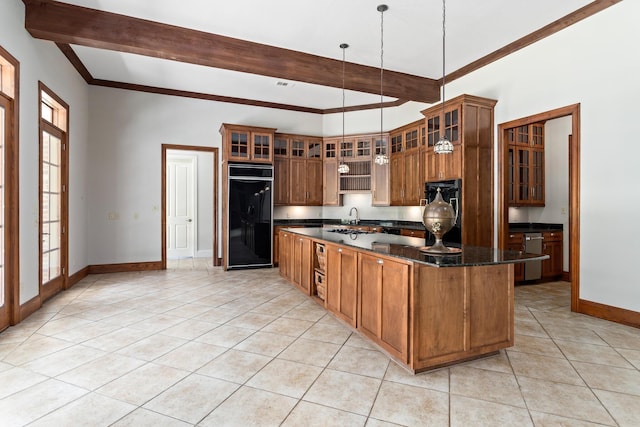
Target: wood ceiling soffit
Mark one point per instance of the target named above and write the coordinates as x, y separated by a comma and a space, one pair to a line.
70, 24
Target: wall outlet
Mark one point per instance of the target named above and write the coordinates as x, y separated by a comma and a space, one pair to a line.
563, 211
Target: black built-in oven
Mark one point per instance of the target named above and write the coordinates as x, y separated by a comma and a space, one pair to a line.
451, 191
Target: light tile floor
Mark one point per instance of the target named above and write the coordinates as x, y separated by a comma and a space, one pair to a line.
195, 345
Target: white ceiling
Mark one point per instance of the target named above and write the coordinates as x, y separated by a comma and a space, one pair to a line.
412, 40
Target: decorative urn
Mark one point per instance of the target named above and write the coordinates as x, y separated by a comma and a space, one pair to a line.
438, 218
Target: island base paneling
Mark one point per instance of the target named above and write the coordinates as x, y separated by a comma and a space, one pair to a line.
422, 316
460, 313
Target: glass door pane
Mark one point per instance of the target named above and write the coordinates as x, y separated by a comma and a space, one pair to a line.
51, 206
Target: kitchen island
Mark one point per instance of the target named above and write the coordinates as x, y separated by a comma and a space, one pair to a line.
425, 311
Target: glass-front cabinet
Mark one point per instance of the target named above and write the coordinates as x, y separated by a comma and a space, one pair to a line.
247, 143
526, 185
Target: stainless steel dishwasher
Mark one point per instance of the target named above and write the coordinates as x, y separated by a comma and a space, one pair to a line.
533, 245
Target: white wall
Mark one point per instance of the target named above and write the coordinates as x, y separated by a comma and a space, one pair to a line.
43, 61
128, 129
591, 63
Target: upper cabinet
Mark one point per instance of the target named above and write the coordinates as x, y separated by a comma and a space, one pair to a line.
468, 123
380, 195
526, 165
297, 170
356, 154
247, 143
405, 167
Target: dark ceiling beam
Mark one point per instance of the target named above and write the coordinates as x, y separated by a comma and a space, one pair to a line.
82, 70
70, 24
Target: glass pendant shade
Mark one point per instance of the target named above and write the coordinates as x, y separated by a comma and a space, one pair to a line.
443, 146
381, 159
343, 168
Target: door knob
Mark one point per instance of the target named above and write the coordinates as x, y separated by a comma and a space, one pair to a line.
189, 220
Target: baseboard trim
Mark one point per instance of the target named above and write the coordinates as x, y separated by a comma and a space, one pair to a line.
607, 312
30, 307
566, 276
125, 267
77, 276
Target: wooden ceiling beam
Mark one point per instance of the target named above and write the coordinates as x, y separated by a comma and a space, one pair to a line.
69, 24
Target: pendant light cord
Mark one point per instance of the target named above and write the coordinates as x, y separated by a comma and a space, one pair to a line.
444, 129
344, 48
381, 70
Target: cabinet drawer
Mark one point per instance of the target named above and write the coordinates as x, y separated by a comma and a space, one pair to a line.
515, 238
412, 233
552, 236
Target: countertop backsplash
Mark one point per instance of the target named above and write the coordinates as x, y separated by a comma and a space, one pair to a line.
360, 201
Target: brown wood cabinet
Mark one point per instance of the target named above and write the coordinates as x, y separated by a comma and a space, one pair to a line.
525, 172
380, 192
383, 303
247, 143
281, 179
463, 312
468, 123
405, 166
552, 245
342, 282
285, 259
302, 265
440, 167
413, 233
297, 170
330, 191
422, 316
515, 242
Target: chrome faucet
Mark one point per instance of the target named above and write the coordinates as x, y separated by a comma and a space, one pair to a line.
357, 216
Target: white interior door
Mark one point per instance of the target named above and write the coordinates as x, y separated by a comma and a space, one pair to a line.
181, 206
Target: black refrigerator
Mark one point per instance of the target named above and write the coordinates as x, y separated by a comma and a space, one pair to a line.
250, 216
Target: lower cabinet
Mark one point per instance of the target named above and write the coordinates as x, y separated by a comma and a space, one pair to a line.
552, 246
383, 303
515, 242
302, 264
284, 254
462, 313
423, 316
342, 282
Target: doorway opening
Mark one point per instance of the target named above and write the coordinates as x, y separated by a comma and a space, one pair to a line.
572, 111
189, 203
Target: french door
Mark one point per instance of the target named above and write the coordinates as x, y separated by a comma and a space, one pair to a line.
53, 194
51, 229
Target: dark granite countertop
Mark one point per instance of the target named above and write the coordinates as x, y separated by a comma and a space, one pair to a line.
413, 225
408, 248
533, 227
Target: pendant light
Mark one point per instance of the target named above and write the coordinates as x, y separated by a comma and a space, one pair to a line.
343, 167
381, 158
443, 146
